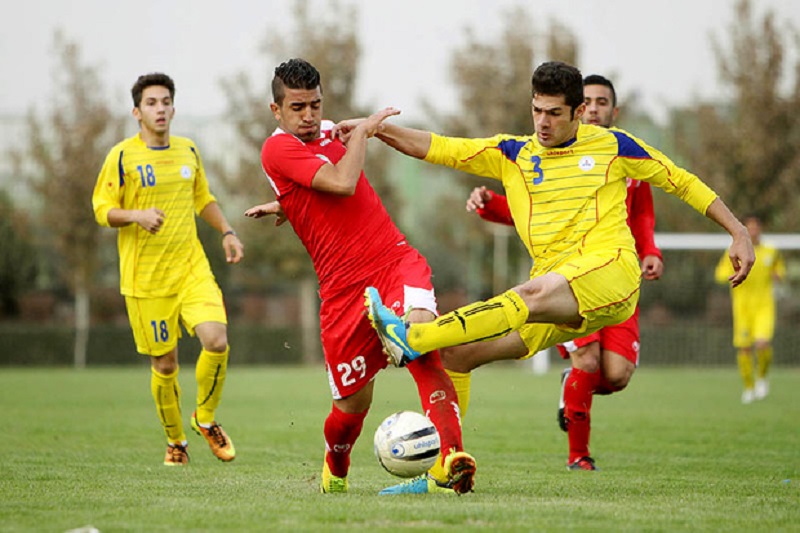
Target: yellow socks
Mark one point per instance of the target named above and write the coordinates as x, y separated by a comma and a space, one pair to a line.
745, 360
763, 358
210, 374
167, 396
479, 321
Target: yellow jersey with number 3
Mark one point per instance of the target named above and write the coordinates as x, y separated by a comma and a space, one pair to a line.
172, 179
570, 199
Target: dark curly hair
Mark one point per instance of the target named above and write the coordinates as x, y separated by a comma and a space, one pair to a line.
555, 78
597, 79
295, 74
148, 80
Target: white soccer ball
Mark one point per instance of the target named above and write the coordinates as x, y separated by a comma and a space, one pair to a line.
406, 444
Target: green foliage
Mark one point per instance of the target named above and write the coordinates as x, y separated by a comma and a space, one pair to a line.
18, 258
677, 452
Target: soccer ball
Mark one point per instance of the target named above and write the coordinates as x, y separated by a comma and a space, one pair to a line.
406, 444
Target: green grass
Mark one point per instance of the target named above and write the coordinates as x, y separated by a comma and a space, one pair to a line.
677, 452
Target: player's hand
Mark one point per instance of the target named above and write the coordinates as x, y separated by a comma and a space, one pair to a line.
478, 198
270, 208
371, 125
742, 257
234, 249
652, 267
344, 129
151, 219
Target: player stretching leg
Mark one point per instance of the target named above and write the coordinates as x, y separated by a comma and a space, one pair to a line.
322, 190
586, 274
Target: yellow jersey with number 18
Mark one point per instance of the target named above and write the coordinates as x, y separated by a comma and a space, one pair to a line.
172, 179
570, 199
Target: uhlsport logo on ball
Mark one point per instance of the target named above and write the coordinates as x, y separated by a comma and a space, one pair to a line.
406, 444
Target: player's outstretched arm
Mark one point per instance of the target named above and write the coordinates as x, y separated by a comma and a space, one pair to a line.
741, 252
234, 249
263, 210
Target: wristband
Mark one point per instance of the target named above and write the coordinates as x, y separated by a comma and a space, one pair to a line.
229, 232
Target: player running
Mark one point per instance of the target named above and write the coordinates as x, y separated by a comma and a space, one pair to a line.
150, 187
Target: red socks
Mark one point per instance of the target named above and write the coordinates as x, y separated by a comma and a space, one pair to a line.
578, 393
439, 400
341, 431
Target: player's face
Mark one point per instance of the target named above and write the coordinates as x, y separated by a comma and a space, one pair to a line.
600, 109
300, 113
552, 120
155, 111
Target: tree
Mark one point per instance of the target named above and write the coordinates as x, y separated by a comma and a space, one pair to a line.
63, 155
331, 44
746, 147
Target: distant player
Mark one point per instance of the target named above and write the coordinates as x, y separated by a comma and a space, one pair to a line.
151, 187
323, 192
566, 187
603, 362
754, 312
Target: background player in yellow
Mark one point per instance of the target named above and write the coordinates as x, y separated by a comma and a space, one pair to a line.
754, 311
566, 188
151, 187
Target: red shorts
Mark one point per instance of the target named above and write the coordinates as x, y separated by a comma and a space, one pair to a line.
622, 339
353, 352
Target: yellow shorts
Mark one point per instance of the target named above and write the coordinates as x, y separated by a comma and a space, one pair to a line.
753, 321
606, 285
154, 321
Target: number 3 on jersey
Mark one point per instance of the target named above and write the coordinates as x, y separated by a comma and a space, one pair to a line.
538, 175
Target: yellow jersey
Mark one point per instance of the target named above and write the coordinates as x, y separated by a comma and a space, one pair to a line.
756, 290
570, 199
172, 178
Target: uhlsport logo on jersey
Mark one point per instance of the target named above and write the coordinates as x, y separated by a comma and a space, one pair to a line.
586, 163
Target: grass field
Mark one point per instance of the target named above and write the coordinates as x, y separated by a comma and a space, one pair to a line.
677, 452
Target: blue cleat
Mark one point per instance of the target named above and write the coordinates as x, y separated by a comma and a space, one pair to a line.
423, 484
390, 328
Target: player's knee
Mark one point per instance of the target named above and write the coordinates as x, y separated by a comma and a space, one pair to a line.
457, 359
216, 343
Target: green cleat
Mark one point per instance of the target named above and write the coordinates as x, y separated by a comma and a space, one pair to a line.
332, 484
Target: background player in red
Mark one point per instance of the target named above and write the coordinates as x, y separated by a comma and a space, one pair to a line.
322, 191
603, 362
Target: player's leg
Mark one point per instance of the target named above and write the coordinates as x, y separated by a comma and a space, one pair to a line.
203, 314
743, 342
342, 428
579, 388
763, 330
154, 322
620, 355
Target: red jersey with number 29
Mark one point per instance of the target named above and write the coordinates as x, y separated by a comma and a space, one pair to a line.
347, 237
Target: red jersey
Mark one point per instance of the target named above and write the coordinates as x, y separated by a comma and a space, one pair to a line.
641, 217
347, 237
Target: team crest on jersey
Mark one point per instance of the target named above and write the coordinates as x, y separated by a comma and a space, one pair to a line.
325, 142
186, 172
586, 163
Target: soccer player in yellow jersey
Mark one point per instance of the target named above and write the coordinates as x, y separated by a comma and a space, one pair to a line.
150, 187
754, 312
566, 188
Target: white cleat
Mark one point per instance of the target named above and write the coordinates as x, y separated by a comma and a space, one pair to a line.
762, 389
748, 396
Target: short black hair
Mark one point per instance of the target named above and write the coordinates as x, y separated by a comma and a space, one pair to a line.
555, 78
597, 79
148, 80
295, 74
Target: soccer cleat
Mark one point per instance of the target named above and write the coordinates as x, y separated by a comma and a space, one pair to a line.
584, 463
562, 419
460, 468
221, 445
176, 455
390, 328
761, 390
423, 484
332, 484
748, 395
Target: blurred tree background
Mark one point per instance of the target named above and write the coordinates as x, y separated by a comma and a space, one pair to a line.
744, 144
